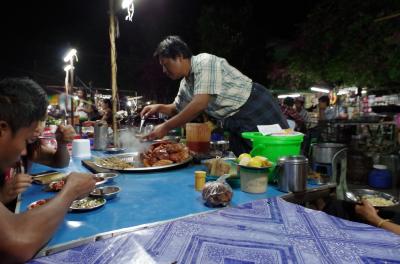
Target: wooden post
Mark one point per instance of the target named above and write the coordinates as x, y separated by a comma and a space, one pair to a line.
114, 87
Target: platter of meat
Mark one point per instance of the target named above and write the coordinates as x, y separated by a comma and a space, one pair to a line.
159, 156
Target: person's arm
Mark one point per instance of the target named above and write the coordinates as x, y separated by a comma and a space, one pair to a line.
22, 235
369, 213
58, 158
167, 109
189, 112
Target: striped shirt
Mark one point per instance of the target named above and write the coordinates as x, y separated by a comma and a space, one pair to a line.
228, 87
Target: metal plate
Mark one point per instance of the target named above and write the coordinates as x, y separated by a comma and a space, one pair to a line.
364, 192
107, 192
114, 150
75, 204
134, 159
99, 180
109, 176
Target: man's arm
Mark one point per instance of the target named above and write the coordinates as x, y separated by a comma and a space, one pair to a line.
369, 213
22, 235
167, 109
191, 111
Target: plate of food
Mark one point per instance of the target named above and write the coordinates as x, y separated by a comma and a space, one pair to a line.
54, 186
159, 156
86, 204
376, 198
37, 203
49, 177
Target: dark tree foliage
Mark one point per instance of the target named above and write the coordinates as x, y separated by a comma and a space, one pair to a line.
344, 42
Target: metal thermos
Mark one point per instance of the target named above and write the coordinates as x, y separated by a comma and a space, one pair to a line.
100, 136
292, 171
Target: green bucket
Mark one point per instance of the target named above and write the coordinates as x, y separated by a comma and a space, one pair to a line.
274, 147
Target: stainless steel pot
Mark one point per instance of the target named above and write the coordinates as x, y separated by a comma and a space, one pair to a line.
324, 152
292, 171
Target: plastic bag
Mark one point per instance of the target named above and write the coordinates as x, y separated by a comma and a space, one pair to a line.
217, 193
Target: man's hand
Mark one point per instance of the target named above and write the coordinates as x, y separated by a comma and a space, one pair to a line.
18, 184
159, 132
150, 110
368, 212
79, 184
65, 134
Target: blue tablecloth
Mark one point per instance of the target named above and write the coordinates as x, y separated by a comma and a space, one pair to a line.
146, 197
263, 231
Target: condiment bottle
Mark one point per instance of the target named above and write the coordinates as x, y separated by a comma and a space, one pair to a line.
200, 180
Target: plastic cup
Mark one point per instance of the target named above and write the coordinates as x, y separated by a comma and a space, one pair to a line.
200, 180
81, 148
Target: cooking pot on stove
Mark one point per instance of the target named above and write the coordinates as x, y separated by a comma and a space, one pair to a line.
324, 152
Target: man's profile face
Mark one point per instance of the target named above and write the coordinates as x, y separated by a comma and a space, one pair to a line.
12, 146
172, 67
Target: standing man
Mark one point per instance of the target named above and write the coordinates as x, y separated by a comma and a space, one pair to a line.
23, 105
211, 84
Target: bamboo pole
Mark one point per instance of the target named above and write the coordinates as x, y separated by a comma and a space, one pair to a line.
72, 92
387, 17
114, 87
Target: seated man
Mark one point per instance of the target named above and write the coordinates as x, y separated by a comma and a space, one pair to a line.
291, 114
23, 105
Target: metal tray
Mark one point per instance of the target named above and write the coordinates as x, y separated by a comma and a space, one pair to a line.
134, 159
363, 192
73, 206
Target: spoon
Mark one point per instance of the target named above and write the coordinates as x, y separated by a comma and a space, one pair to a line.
352, 197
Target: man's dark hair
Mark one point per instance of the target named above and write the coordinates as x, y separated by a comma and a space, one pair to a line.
22, 102
324, 99
289, 101
172, 47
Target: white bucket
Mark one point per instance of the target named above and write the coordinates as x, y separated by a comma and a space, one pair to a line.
253, 180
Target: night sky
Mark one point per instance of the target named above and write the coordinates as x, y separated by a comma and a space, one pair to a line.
37, 35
